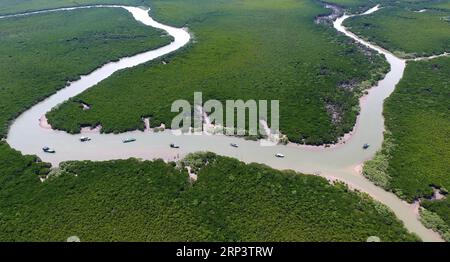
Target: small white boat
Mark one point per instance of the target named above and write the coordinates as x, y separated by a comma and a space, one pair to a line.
47, 149
234, 145
129, 140
174, 146
85, 139
279, 155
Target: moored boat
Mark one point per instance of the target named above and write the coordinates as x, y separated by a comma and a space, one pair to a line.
129, 140
85, 139
47, 149
174, 146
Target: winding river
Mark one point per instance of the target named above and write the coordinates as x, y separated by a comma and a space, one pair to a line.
340, 162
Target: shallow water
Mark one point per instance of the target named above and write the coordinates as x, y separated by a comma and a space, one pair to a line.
339, 162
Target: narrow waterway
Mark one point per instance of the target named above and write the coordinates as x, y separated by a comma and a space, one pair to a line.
339, 162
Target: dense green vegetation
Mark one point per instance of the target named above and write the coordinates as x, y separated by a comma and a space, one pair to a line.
442, 5
405, 31
305, 65
435, 222
152, 201
417, 116
354, 6
377, 168
20, 6
242, 50
416, 155
40, 53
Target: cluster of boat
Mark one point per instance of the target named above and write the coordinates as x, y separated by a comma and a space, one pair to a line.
47, 149
279, 155
130, 139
